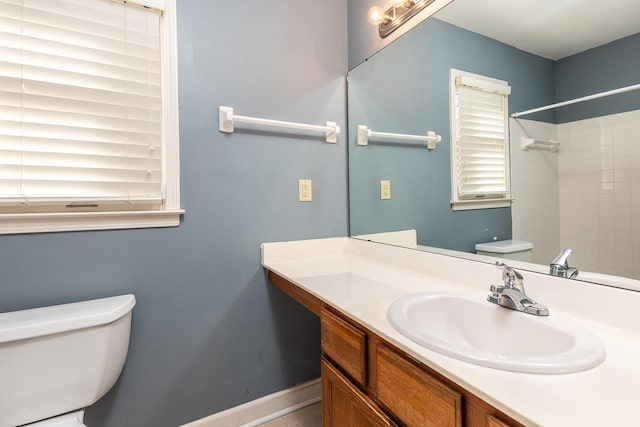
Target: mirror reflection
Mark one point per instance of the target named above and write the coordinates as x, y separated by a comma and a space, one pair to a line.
572, 172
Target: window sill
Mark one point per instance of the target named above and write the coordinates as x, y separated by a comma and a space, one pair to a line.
465, 205
84, 221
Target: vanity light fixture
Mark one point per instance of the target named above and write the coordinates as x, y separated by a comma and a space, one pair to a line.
396, 15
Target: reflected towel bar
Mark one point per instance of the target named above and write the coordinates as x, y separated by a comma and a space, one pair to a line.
364, 133
549, 144
227, 120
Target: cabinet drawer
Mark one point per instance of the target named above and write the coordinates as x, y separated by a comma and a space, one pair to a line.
494, 422
345, 345
412, 395
344, 405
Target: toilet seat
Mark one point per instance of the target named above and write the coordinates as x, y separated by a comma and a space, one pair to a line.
73, 419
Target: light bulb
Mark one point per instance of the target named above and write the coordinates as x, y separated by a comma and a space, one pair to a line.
376, 16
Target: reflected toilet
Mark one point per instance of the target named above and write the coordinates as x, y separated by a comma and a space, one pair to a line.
519, 250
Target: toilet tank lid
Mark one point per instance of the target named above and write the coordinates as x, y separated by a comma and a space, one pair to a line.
35, 322
504, 246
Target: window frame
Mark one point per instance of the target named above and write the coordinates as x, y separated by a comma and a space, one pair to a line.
456, 202
170, 214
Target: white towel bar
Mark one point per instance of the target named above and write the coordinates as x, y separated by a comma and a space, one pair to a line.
364, 133
227, 120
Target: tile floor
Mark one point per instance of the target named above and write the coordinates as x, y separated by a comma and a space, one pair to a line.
311, 416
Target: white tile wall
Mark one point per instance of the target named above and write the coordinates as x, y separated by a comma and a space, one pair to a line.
599, 182
535, 188
585, 197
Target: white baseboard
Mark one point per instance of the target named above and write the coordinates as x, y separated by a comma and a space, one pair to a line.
266, 408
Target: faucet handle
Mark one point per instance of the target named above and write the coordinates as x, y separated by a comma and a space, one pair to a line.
511, 294
510, 277
560, 265
562, 260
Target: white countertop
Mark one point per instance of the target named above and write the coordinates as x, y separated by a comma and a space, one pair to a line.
361, 279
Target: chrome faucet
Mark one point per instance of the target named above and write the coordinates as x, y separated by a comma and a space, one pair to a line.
560, 266
511, 294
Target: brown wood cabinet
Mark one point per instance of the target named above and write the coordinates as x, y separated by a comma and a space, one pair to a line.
345, 344
368, 382
494, 422
343, 404
412, 395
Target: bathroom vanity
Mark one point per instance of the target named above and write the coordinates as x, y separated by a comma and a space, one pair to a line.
367, 381
406, 389
374, 376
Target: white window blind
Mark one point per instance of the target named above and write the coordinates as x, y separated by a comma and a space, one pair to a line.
479, 130
80, 105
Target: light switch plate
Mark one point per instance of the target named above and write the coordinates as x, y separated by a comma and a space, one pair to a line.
385, 189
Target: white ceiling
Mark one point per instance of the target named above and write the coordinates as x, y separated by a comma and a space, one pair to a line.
553, 29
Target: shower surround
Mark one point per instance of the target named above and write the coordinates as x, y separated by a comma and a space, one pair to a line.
585, 197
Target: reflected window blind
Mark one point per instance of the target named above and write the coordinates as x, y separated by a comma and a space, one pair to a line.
481, 138
80, 104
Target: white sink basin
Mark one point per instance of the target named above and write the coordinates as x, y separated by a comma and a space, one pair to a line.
472, 329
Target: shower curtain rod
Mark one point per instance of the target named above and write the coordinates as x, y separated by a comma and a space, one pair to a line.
575, 101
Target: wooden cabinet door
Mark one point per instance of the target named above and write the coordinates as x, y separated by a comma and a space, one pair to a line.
344, 405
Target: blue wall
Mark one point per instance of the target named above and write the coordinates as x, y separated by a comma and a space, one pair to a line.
607, 67
208, 332
405, 88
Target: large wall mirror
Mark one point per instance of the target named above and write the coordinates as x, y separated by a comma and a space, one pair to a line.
577, 186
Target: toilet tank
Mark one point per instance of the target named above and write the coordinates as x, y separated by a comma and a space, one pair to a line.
61, 358
519, 250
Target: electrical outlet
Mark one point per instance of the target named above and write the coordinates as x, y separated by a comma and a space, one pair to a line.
304, 190
385, 189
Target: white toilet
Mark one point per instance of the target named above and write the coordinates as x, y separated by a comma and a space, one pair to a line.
55, 361
519, 250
